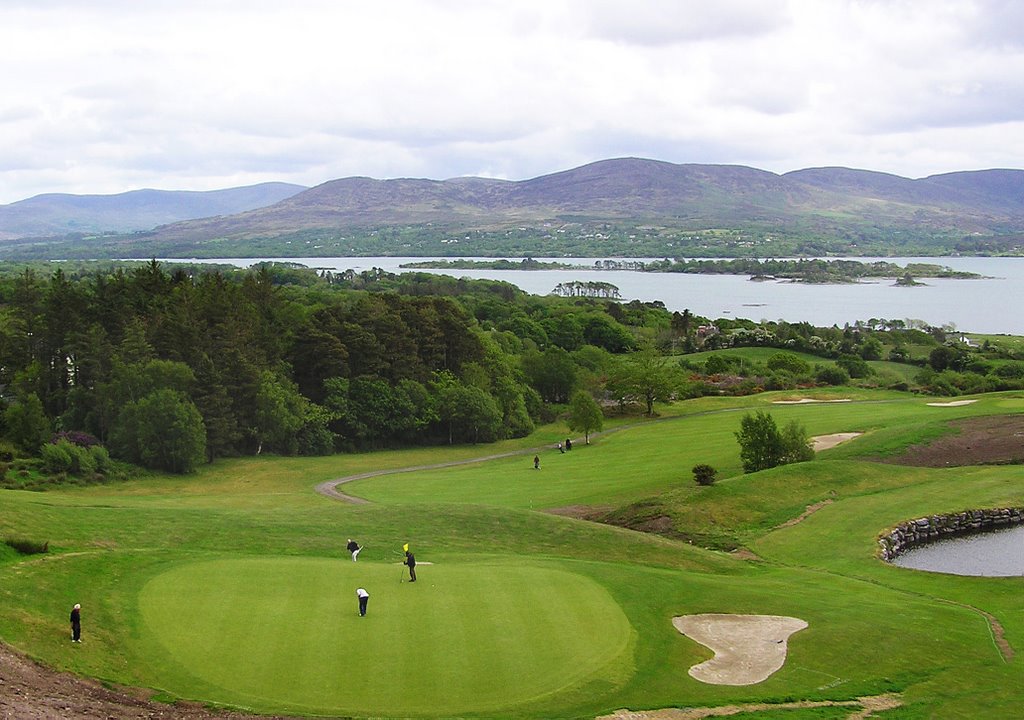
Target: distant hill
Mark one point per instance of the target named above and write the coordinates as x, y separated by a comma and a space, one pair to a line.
619, 206
60, 214
644, 191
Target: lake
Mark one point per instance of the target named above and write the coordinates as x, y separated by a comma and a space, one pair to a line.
989, 305
999, 553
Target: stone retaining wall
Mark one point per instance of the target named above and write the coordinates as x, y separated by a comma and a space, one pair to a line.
936, 527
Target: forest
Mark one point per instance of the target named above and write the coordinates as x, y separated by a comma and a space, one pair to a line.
170, 367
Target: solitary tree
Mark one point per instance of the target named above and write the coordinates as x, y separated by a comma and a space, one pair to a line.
762, 446
645, 377
585, 414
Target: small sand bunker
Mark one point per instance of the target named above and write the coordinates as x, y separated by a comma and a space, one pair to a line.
952, 403
748, 648
803, 401
824, 442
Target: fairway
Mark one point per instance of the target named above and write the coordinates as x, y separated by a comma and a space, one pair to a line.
284, 633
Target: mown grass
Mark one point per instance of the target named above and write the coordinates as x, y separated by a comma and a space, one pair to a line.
655, 458
137, 556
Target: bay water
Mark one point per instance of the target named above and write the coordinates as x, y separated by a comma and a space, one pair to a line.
991, 304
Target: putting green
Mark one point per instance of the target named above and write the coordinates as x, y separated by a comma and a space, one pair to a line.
284, 634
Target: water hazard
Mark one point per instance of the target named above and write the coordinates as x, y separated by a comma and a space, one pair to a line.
997, 553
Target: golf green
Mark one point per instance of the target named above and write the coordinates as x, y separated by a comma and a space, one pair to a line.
284, 633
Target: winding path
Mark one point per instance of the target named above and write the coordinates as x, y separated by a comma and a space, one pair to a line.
329, 488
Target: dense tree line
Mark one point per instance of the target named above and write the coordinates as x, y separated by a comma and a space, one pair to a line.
171, 368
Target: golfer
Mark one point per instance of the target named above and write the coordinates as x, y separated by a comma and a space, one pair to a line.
364, 597
353, 547
410, 560
76, 623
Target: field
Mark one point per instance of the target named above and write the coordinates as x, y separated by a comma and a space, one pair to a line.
232, 587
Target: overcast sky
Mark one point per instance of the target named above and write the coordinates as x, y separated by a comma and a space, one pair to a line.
104, 96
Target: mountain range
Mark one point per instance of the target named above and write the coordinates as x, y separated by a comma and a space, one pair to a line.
628, 192
60, 214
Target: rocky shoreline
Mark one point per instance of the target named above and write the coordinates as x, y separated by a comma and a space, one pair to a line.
937, 527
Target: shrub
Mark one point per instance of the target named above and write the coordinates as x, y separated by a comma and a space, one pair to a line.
26, 546
899, 354
57, 457
854, 365
100, 457
76, 437
82, 462
831, 375
704, 474
789, 363
1011, 370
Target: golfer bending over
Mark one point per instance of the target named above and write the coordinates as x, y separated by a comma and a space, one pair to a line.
364, 597
353, 547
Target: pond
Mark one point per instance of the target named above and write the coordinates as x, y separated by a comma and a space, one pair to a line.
997, 553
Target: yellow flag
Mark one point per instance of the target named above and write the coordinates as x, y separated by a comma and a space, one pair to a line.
405, 547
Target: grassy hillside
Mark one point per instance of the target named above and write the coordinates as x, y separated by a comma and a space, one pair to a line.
619, 207
521, 613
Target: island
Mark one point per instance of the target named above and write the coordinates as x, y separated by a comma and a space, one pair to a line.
803, 270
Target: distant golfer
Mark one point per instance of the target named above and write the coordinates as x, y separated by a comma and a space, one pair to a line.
410, 560
568, 444
536, 462
364, 597
76, 623
353, 547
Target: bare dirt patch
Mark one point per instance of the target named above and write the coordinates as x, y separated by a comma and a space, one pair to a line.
862, 708
748, 648
993, 439
30, 691
811, 509
999, 636
581, 512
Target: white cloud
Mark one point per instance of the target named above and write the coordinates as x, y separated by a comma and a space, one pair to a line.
115, 94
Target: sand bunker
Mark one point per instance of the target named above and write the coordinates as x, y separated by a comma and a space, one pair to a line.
824, 442
952, 403
748, 648
803, 401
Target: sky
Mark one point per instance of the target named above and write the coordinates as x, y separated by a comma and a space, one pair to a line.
105, 96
